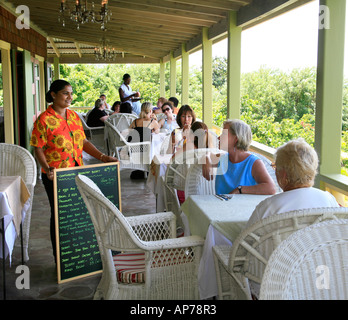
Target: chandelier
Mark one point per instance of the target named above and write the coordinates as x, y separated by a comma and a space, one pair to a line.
81, 14
104, 52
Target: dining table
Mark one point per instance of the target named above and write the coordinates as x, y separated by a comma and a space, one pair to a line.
14, 202
219, 221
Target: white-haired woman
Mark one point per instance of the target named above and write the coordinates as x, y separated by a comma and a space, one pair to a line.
238, 171
296, 167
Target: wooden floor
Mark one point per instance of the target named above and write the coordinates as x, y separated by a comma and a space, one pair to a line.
136, 199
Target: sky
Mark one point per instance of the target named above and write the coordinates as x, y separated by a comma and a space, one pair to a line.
285, 42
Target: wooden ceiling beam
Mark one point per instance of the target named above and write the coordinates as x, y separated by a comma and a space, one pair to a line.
54, 46
78, 49
166, 11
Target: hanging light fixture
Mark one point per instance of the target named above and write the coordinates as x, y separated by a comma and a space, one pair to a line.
81, 14
104, 52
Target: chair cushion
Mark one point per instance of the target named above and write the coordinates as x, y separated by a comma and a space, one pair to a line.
130, 267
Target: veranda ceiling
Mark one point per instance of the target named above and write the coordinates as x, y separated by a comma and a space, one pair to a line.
144, 31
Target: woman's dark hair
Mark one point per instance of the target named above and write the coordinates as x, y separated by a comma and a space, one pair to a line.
168, 103
202, 131
174, 100
126, 76
126, 107
56, 86
183, 110
98, 103
115, 104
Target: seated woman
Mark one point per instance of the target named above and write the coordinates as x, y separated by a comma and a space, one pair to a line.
126, 107
98, 115
296, 167
186, 116
116, 107
144, 125
238, 170
197, 138
168, 123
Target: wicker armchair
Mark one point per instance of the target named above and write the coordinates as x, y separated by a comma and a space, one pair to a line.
247, 258
166, 267
121, 121
94, 134
310, 265
175, 177
17, 161
132, 155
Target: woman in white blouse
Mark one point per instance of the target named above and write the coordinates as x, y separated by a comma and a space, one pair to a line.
296, 167
126, 94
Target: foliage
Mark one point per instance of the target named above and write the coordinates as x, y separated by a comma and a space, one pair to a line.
278, 106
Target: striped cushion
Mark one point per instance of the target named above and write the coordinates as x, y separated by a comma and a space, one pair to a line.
130, 267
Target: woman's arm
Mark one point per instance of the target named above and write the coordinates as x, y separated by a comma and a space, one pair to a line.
94, 152
155, 126
211, 161
265, 184
41, 158
123, 98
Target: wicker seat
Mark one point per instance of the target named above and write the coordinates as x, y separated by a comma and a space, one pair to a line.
175, 177
94, 134
247, 258
121, 121
132, 155
18, 161
170, 264
309, 265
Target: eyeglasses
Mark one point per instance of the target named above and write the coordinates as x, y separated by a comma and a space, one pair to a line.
165, 110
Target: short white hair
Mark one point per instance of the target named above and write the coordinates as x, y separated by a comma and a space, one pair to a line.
299, 160
242, 131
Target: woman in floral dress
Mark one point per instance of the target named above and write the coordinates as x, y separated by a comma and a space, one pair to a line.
59, 139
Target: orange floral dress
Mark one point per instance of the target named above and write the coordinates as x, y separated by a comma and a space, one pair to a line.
60, 139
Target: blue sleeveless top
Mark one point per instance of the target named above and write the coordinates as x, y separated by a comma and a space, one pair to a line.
235, 175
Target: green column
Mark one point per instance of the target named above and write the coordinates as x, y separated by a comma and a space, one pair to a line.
207, 77
162, 79
185, 75
29, 102
172, 75
328, 120
233, 67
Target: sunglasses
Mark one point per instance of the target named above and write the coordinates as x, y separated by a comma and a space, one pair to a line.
165, 110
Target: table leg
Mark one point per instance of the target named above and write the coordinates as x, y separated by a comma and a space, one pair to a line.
3, 258
22, 244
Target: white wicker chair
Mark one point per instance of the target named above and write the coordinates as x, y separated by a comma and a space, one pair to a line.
18, 161
249, 254
170, 264
121, 121
132, 155
94, 134
175, 177
195, 183
311, 264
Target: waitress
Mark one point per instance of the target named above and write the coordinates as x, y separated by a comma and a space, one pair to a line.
59, 139
127, 95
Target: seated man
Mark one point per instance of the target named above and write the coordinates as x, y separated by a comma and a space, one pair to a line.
98, 115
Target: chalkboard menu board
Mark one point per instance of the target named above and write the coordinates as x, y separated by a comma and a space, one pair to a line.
77, 247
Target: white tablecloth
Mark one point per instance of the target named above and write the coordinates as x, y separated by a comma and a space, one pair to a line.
155, 179
14, 202
219, 222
